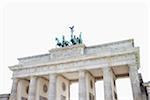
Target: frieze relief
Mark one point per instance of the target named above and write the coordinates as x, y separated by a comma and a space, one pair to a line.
66, 52
76, 51
75, 66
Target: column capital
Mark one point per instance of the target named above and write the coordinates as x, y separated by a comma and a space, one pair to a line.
82, 73
82, 70
33, 77
53, 74
106, 68
136, 66
14, 78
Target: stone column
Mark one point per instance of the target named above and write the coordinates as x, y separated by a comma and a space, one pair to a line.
109, 84
135, 83
32, 88
52, 87
82, 85
13, 95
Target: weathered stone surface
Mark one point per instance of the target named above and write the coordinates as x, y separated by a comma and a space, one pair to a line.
76, 64
78, 57
34, 59
42, 89
23, 88
32, 88
109, 86
67, 52
52, 87
76, 51
86, 86
82, 85
13, 95
100, 61
135, 83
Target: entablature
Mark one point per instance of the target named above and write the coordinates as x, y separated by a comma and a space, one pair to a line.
77, 51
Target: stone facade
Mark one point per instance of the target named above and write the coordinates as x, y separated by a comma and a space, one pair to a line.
48, 76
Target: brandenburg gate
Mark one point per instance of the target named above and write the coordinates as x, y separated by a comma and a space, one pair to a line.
48, 76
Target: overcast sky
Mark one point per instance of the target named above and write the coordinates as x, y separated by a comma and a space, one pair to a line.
30, 27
